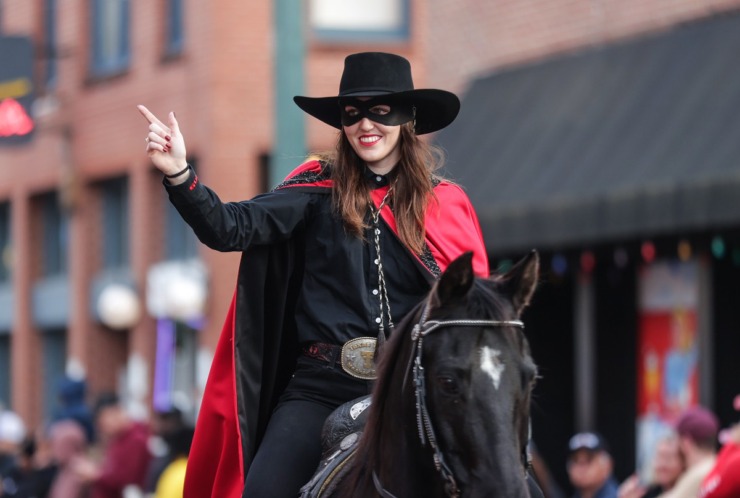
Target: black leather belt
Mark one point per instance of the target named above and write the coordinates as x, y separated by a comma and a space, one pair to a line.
356, 356
328, 353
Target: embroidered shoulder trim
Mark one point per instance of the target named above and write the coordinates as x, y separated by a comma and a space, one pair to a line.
307, 177
428, 259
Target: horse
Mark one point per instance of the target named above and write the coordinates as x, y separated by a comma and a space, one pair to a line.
449, 412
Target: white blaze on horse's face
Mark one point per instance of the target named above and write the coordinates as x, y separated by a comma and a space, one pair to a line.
491, 364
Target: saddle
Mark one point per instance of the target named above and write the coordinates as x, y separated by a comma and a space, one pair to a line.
339, 438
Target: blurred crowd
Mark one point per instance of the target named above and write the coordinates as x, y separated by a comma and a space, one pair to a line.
101, 452
96, 451
695, 460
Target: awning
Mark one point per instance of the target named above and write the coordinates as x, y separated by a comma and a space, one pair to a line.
629, 140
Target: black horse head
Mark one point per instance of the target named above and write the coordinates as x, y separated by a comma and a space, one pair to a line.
450, 412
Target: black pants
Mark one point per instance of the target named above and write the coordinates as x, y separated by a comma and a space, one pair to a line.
291, 448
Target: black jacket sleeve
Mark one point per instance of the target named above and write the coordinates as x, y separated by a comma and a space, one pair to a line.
235, 226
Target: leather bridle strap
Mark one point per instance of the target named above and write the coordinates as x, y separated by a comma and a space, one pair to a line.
380, 489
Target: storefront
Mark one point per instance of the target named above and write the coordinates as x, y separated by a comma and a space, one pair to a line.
621, 165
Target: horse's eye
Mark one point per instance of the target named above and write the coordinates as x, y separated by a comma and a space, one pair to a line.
529, 377
448, 385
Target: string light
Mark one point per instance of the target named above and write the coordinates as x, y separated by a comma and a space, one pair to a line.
718, 247
559, 264
736, 257
621, 258
504, 266
648, 251
588, 261
684, 250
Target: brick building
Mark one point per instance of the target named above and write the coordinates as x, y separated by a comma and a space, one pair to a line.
468, 38
81, 209
82, 212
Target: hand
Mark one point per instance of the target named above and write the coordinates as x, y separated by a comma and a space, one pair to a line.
165, 144
84, 469
631, 488
730, 435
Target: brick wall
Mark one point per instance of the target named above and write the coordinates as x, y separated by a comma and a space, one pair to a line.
472, 37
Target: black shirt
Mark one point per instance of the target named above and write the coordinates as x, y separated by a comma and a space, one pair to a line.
339, 298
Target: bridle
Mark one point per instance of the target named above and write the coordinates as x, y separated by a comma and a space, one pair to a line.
424, 423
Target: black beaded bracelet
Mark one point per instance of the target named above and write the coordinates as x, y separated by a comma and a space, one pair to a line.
175, 175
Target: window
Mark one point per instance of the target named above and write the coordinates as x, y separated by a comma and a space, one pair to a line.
4, 371
55, 236
54, 352
5, 247
50, 42
340, 20
110, 38
180, 242
175, 28
115, 223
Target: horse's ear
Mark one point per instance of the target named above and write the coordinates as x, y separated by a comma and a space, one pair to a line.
456, 281
520, 282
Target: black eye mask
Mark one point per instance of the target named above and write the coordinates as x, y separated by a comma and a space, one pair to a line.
398, 114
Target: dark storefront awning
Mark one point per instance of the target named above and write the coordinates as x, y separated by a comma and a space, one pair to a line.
630, 140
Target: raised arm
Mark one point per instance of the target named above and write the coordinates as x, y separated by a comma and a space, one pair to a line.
231, 226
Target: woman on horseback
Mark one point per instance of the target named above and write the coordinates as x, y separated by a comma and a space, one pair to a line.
345, 246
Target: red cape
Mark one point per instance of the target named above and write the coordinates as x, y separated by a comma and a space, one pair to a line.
223, 448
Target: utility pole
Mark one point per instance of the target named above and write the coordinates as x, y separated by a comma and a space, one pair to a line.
289, 149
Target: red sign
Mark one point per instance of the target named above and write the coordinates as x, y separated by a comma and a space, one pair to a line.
13, 119
667, 372
668, 354
16, 90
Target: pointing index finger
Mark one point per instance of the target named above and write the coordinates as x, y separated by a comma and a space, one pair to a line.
151, 117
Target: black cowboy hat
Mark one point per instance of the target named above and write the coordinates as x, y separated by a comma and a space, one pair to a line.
370, 74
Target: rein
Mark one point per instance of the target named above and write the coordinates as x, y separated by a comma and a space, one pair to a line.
423, 421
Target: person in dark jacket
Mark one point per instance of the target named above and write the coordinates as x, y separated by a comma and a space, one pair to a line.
590, 466
126, 452
332, 257
73, 405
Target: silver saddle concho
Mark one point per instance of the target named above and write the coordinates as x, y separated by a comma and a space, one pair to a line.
339, 438
358, 357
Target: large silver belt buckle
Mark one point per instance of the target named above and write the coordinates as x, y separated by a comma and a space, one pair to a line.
358, 357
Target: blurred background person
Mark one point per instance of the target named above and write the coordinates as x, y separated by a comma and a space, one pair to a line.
33, 471
126, 453
667, 466
697, 430
71, 394
12, 434
172, 480
165, 427
723, 481
590, 466
68, 441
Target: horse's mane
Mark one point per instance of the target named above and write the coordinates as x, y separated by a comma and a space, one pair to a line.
389, 455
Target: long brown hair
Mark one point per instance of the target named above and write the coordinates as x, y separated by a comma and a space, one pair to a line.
411, 180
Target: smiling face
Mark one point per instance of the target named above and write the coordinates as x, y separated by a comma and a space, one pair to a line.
378, 145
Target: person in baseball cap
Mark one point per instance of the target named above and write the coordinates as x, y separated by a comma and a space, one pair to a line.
697, 430
590, 466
